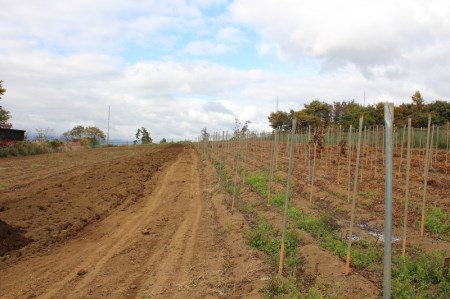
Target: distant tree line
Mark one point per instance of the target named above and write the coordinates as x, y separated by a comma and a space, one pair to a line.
321, 114
89, 135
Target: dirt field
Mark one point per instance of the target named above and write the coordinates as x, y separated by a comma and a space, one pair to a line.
128, 222
155, 222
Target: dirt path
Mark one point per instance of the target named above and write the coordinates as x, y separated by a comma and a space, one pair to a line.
171, 244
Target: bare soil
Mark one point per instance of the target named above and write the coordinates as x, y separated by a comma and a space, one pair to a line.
128, 222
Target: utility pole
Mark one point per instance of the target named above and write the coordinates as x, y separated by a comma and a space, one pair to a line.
107, 135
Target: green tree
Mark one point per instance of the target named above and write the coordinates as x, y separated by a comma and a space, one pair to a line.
143, 136
95, 135
163, 140
320, 110
205, 134
75, 134
79, 133
278, 119
418, 101
5, 115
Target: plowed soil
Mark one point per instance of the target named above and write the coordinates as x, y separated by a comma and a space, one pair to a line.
128, 222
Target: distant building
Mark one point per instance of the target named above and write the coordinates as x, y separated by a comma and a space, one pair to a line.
11, 135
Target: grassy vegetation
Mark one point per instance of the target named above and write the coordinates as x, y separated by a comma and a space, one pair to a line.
323, 228
326, 231
420, 275
224, 177
437, 221
26, 148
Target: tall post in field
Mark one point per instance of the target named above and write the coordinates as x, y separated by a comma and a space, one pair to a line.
355, 189
408, 166
286, 201
312, 178
349, 159
272, 165
446, 154
107, 135
309, 154
238, 157
425, 177
388, 121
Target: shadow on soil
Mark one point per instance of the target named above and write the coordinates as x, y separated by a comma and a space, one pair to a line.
11, 238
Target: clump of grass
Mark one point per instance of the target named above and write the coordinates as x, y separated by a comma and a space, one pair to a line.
224, 177
258, 182
325, 229
246, 207
437, 221
264, 238
26, 148
420, 276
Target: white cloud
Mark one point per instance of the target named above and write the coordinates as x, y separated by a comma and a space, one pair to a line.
367, 34
231, 35
206, 48
63, 63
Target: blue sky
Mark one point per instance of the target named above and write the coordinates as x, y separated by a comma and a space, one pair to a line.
178, 66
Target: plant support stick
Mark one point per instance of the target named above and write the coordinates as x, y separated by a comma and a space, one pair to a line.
355, 187
408, 166
286, 202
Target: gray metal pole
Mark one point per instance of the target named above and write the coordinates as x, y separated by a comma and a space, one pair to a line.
388, 120
107, 136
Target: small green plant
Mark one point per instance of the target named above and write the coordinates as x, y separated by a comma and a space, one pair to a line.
369, 197
264, 238
325, 229
3, 186
420, 275
246, 207
224, 177
258, 182
437, 221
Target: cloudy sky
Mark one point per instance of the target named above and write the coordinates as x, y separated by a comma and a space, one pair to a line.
177, 66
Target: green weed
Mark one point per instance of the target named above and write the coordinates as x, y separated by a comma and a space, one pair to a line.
258, 182
264, 238
437, 221
420, 276
326, 231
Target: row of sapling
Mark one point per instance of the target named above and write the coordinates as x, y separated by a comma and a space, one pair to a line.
343, 147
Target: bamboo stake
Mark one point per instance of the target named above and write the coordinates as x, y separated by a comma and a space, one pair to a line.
286, 202
431, 146
437, 144
401, 149
355, 187
312, 178
237, 172
272, 165
338, 153
362, 164
425, 178
376, 155
446, 154
349, 159
408, 165
309, 155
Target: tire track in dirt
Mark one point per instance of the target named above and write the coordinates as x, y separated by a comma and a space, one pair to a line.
179, 241
70, 269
